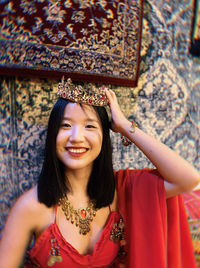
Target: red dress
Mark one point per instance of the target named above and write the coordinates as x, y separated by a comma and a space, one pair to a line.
51, 241
156, 231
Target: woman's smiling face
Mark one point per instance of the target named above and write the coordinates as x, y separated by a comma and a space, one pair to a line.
79, 138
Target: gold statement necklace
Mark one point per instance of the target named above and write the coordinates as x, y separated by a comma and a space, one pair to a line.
81, 217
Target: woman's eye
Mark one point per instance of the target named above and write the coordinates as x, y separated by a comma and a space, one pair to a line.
65, 125
90, 126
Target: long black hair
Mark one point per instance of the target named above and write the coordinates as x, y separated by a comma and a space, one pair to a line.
52, 181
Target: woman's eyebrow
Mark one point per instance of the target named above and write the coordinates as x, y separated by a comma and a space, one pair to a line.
66, 118
88, 119
92, 120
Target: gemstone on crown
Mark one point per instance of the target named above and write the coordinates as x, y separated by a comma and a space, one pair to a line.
88, 95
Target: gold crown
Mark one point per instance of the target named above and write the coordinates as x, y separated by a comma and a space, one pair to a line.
88, 95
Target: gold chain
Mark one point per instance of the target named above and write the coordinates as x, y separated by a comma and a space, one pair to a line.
81, 217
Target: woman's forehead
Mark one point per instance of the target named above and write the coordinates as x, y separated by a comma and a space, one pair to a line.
76, 110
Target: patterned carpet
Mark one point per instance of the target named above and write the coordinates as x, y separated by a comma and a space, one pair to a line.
166, 104
84, 38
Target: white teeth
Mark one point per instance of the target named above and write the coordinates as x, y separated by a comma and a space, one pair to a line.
78, 151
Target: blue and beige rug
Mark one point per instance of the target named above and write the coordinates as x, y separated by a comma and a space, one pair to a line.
166, 104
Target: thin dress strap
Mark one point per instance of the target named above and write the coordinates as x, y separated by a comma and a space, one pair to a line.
109, 209
56, 209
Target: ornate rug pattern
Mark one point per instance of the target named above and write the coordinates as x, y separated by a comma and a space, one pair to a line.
96, 40
166, 104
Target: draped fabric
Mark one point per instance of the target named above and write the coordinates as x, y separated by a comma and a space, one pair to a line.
157, 231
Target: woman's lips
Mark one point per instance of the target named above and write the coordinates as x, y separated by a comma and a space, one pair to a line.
75, 151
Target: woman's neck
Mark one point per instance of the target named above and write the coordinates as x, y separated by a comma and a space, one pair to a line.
78, 182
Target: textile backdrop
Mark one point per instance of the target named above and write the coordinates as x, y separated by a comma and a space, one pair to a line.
166, 104
92, 40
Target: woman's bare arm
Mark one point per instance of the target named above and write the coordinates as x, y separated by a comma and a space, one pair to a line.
178, 174
18, 228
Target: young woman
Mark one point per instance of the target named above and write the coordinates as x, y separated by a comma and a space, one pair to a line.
84, 214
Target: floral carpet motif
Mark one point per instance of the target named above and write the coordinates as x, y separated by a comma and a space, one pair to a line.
166, 104
96, 40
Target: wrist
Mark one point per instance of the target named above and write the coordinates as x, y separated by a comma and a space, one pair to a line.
129, 130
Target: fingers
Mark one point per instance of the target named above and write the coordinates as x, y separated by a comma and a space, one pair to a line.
110, 94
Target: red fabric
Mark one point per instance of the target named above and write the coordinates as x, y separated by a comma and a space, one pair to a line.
105, 251
192, 204
157, 232
180, 249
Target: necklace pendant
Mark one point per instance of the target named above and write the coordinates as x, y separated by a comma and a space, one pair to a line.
80, 217
84, 226
83, 213
84, 229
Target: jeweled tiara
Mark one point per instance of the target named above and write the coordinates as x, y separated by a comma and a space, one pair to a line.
88, 95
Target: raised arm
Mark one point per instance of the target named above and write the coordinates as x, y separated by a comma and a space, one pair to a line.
178, 174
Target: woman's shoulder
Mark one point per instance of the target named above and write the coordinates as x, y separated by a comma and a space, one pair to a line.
28, 200
26, 216
28, 206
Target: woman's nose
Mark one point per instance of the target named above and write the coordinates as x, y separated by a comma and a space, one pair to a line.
76, 134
